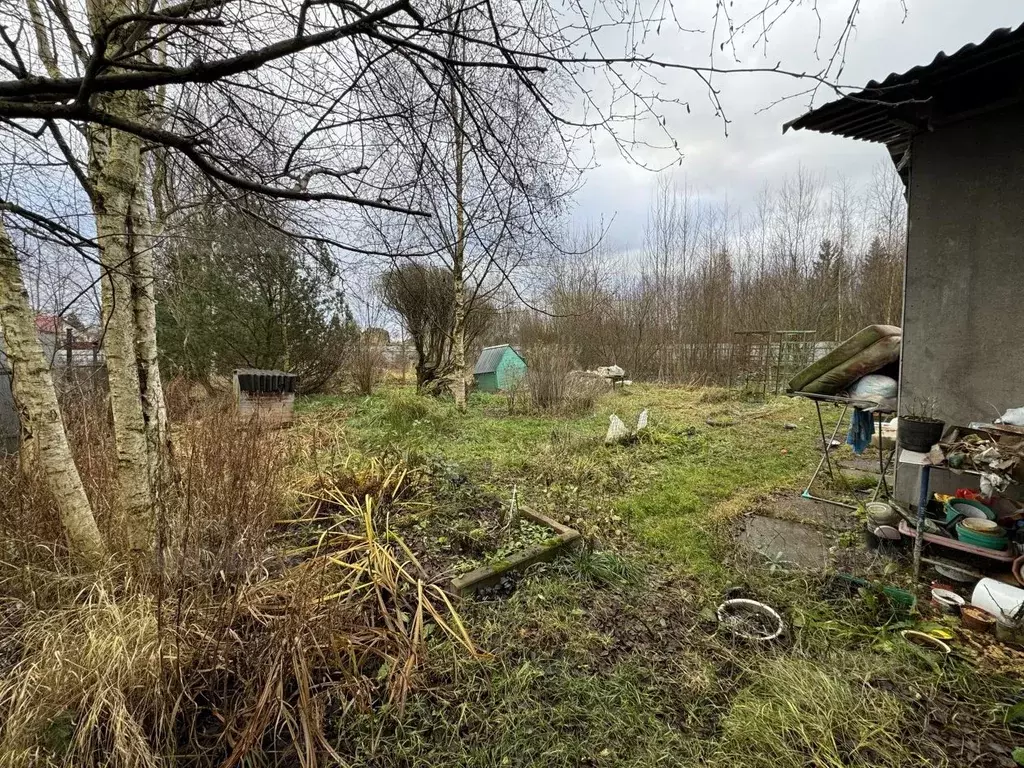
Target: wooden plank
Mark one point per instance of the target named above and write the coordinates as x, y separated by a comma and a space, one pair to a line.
489, 575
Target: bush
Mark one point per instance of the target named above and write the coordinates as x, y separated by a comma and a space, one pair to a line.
366, 366
555, 387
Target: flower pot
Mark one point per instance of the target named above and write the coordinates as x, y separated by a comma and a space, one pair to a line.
918, 434
977, 619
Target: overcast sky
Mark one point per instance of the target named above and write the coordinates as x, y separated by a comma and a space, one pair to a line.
755, 150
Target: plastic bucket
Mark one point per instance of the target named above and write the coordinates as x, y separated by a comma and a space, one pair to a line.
881, 513
957, 508
750, 620
1001, 600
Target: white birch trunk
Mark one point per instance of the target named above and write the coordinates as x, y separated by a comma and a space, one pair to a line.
115, 165
459, 261
36, 399
154, 409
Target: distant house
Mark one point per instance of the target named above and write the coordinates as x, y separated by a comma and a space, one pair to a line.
68, 351
498, 368
49, 324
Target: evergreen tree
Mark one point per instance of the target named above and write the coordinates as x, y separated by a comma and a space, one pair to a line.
241, 295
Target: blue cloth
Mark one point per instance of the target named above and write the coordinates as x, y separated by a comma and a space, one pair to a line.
862, 427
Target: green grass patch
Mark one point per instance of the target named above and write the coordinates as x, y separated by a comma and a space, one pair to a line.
522, 714
674, 486
690, 499
797, 712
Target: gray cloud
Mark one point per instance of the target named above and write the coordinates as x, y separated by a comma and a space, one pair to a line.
755, 151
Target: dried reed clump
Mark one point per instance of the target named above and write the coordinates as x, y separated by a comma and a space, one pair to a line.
253, 631
86, 682
554, 386
230, 487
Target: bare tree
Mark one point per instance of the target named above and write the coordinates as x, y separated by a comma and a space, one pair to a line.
44, 439
808, 257
123, 98
491, 173
421, 296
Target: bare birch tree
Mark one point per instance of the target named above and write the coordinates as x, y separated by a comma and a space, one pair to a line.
292, 101
43, 433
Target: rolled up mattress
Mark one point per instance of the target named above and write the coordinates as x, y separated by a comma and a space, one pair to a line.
865, 352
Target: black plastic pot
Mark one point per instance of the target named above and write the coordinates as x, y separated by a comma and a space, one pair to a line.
917, 434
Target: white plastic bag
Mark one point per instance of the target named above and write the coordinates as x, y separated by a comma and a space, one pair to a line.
641, 422
1014, 417
617, 431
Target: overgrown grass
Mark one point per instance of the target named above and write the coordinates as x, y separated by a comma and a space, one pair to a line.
798, 712
249, 630
675, 487
522, 714
606, 660
292, 634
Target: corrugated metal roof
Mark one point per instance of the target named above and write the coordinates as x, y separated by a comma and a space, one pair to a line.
975, 77
982, 53
489, 358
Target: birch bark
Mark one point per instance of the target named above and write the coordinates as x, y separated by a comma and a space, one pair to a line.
123, 229
36, 399
459, 259
115, 169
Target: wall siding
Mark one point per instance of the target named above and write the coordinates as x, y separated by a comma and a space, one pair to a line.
963, 319
510, 369
486, 382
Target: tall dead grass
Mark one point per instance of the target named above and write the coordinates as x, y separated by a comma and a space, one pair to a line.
86, 681
555, 387
260, 621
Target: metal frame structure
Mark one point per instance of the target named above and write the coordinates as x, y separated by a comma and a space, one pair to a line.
775, 357
884, 457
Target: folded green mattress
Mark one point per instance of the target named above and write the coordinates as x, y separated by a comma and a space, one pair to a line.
865, 352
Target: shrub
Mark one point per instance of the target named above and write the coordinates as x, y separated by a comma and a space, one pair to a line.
366, 366
555, 387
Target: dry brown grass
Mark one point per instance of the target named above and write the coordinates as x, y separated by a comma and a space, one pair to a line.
258, 623
87, 681
554, 386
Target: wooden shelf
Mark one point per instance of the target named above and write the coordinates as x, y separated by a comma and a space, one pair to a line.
1002, 556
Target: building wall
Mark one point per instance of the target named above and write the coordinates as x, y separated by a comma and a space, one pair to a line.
963, 324
510, 370
486, 382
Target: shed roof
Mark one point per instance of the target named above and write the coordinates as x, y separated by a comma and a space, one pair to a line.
490, 357
974, 79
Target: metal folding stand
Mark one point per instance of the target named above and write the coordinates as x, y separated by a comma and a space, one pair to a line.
828, 443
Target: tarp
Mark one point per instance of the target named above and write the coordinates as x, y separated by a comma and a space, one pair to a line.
865, 352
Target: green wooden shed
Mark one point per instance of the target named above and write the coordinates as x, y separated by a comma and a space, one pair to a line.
498, 368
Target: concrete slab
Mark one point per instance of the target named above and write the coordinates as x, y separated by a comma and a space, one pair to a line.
860, 464
796, 508
786, 542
